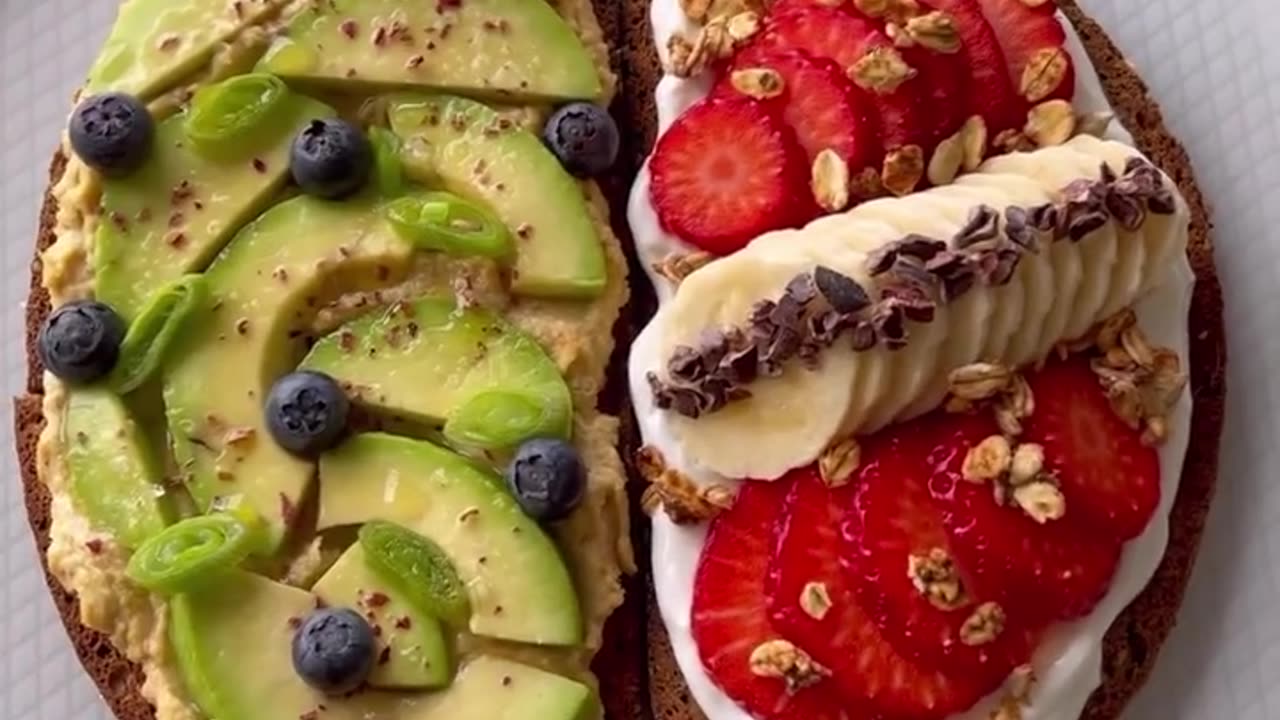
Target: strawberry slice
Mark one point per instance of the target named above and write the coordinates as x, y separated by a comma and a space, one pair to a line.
894, 519
1027, 36
730, 614
847, 40
944, 81
865, 667
991, 94
1058, 570
1107, 475
726, 171
819, 104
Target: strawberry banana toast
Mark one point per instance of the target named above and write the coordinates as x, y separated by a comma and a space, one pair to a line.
915, 401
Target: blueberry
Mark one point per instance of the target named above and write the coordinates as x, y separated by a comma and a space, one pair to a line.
112, 133
307, 412
80, 342
584, 137
333, 650
546, 478
331, 159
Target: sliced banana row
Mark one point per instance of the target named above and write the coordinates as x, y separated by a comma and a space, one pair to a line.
1056, 294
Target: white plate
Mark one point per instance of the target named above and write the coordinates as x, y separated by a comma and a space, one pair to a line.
1215, 67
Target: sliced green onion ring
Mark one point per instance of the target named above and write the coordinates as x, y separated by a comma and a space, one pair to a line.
224, 117
448, 223
188, 553
152, 333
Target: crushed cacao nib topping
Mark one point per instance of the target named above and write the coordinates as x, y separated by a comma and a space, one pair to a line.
841, 292
913, 277
983, 225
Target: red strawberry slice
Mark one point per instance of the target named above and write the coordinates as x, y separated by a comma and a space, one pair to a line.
1107, 475
893, 518
726, 171
944, 81
1025, 33
846, 39
865, 667
990, 92
819, 104
730, 614
1059, 570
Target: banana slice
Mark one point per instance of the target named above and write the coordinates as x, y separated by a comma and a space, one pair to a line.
1055, 294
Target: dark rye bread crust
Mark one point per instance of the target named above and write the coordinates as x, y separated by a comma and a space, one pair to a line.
1132, 643
620, 664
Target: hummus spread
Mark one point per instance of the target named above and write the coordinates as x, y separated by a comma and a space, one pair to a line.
595, 539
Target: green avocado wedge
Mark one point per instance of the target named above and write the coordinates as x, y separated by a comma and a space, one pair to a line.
505, 49
485, 381
470, 150
519, 586
114, 473
155, 43
417, 655
263, 290
232, 642
180, 208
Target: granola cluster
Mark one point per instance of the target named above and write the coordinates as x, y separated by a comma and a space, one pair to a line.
680, 497
1142, 382
1017, 477
783, 660
911, 278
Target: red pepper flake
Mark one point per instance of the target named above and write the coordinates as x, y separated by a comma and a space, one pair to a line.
431, 44
443, 5
177, 220
413, 329
294, 623
181, 192
377, 631
94, 546
497, 609
506, 681
120, 221
377, 599
351, 72
380, 36
176, 239
349, 28
384, 657
198, 205
524, 231
260, 165
310, 715
415, 62
242, 326
444, 31
404, 623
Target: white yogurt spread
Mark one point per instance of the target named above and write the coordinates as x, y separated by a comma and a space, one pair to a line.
1069, 662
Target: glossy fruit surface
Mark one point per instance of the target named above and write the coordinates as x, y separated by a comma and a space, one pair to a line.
726, 171
333, 650
307, 412
547, 478
111, 133
584, 137
331, 159
80, 341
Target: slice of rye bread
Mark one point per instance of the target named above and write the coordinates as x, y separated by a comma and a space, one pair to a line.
621, 663
1135, 638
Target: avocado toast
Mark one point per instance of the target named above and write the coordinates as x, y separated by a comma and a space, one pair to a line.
349, 241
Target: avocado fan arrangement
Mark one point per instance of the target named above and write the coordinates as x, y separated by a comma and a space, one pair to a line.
339, 469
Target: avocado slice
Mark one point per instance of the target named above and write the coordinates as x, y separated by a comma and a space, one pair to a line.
475, 153
519, 586
418, 656
261, 291
489, 384
510, 49
155, 43
115, 475
174, 214
232, 641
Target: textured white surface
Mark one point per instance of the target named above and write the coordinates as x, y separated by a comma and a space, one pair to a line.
1215, 67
